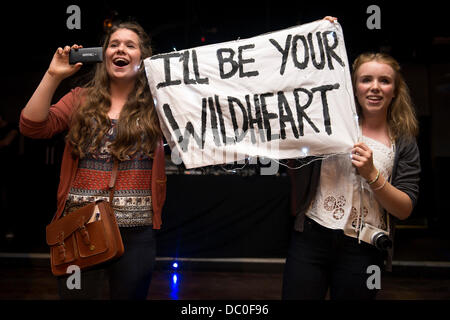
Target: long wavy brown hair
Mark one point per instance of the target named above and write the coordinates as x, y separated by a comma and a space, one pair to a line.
138, 126
401, 116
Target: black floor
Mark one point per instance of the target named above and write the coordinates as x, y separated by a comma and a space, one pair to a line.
421, 272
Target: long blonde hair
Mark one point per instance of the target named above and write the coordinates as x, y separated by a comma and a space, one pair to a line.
401, 116
138, 125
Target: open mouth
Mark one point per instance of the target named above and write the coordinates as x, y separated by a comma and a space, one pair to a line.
120, 62
374, 98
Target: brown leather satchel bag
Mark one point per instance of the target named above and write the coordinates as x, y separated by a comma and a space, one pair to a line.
85, 237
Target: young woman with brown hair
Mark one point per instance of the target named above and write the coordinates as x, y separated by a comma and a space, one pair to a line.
112, 117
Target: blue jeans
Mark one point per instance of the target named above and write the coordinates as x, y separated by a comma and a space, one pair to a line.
127, 278
320, 259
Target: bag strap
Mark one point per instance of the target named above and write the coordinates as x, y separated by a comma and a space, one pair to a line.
112, 180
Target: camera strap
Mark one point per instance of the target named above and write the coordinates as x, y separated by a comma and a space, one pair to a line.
361, 215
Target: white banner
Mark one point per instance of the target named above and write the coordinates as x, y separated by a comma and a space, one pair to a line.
285, 94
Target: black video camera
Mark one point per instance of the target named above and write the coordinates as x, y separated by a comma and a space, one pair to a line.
86, 55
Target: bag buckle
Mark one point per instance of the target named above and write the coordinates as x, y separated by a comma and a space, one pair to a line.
86, 239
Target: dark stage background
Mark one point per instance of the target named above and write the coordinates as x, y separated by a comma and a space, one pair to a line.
215, 212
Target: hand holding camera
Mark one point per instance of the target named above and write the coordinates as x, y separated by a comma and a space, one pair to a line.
59, 66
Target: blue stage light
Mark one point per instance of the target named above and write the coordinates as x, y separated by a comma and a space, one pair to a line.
174, 279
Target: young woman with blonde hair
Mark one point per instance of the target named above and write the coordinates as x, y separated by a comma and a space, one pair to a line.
379, 184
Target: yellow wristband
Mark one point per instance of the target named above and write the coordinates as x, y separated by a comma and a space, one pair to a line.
376, 178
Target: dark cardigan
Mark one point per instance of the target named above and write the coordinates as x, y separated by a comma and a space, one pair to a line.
405, 177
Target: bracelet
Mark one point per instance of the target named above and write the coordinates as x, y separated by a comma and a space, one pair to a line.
376, 178
381, 187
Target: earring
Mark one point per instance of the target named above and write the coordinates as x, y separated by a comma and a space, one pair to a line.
139, 68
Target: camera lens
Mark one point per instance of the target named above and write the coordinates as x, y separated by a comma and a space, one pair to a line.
381, 241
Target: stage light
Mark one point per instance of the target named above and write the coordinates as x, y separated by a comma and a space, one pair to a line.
202, 39
107, 24
174, 281
175, 265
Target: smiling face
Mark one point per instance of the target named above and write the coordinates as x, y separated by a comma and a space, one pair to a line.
123, 55
375, 87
